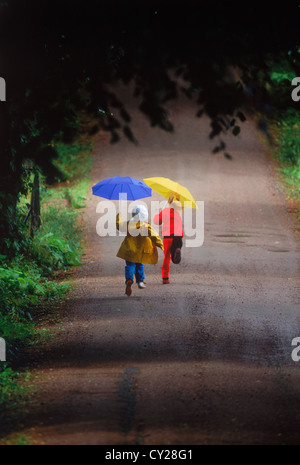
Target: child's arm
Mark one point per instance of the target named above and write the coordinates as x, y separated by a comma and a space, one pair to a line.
155, 237
121, 225
158, 218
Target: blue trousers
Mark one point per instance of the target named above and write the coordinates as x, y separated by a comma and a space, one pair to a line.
136, 269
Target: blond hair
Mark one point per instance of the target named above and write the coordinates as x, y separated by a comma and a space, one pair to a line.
173, 197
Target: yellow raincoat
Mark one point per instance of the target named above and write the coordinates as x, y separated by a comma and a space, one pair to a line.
140, 244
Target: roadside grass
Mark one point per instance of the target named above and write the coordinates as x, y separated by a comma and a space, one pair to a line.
17, 440
285, 151
30, 281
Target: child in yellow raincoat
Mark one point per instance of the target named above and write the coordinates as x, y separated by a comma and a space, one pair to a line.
139, 246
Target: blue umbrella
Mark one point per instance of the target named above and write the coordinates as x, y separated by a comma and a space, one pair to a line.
111, 188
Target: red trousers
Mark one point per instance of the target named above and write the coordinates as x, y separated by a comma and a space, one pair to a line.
165, 269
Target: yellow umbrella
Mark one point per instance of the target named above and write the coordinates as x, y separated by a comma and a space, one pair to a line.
165, 187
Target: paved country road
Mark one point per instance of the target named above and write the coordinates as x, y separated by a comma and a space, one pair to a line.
205, 359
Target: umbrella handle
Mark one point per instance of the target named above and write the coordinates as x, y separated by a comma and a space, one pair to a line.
164, 206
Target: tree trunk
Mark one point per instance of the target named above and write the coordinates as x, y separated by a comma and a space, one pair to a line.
35, 205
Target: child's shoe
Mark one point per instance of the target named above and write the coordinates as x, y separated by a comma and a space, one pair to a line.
142, 285
177, 256
128, 290
166, 281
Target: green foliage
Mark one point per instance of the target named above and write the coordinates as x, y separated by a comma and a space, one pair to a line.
57, 244
10, 385
72, 160
22, 286
281, 71
17, 330
27, 270
74, 163
288, 140
62, 221
18, 289
283, 75
18, 439
286, 150
58, 251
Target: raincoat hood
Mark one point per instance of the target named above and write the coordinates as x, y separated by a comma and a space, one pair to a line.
139, 213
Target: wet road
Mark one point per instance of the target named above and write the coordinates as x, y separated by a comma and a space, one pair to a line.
206, 359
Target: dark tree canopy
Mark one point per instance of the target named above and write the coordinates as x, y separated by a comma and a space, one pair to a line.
58, 57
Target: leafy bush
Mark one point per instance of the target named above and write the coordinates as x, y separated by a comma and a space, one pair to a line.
17, 289
57, 244
62, 253
286, 150
10, 386
18, 331
73, 161
288, 140
63, 222
27, 270
23, 289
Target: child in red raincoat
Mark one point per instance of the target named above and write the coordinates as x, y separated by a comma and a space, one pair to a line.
172, 232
